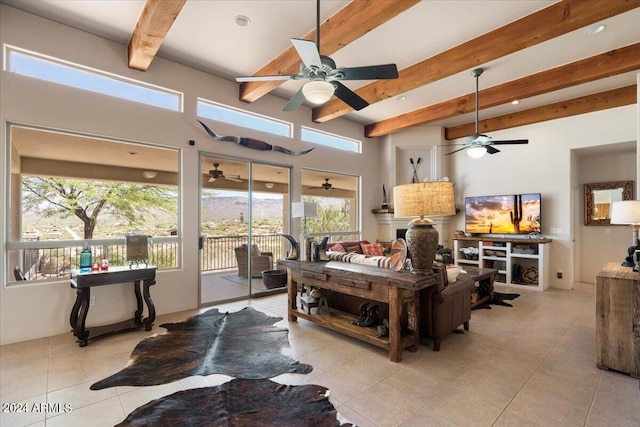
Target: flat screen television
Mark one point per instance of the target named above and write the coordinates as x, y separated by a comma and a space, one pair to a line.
506, 214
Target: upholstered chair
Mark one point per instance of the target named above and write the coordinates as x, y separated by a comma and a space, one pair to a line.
446, 306
260, 261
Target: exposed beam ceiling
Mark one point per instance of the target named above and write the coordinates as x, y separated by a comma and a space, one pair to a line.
553, 21
597, 67
153, 24
533, 50
584, 104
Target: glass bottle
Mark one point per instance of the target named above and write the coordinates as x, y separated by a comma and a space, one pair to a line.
85, 259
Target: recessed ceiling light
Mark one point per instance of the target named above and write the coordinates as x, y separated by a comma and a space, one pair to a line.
596, 29
242, 20
515, 102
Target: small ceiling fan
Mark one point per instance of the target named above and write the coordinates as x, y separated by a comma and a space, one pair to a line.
214, 174
324, 76
326, 185
478, 143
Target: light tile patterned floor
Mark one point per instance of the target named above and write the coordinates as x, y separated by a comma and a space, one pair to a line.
530, 365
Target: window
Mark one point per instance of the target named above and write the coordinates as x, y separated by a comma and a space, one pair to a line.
56, 206
235, 116
329, 140
337, 199
57, 71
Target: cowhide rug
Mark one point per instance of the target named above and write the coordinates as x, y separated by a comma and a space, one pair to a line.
240, 402
243, 344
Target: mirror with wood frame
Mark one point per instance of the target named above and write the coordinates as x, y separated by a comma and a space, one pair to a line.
598, 198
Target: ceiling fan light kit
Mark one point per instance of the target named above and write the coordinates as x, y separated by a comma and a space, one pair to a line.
477, 152
318, 91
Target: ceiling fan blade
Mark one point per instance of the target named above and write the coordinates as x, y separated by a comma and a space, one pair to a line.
459, 149
491, 150
514, 141
242, 79
349, 96
308, 52
386, 71
234, 179
212, 179
295, 102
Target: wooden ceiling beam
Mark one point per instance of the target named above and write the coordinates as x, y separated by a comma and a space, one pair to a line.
597, 67
553, 21
153, 25
350, 23
585, 104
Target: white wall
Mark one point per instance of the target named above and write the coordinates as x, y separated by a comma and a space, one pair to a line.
544, 166
37, 310
601, 244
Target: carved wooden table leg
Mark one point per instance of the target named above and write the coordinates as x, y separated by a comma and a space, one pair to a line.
136, 289
79, 331
148, 322
73, 318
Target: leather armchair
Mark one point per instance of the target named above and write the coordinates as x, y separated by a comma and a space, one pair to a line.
260, 261
445, 306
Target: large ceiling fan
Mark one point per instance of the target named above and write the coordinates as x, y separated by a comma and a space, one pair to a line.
324, 78
479, 144
215, 174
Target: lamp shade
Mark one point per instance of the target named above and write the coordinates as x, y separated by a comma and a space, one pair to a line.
424, 199
625, 212
304, 210
318, 91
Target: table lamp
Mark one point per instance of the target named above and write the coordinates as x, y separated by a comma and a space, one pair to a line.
628, 212
422, 199
304, 210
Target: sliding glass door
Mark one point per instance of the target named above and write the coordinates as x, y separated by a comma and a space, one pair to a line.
243, 211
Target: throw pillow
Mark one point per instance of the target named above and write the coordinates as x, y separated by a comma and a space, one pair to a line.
337, 248
372, 249
355, 249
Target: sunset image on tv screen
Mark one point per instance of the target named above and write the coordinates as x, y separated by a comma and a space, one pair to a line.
511, 214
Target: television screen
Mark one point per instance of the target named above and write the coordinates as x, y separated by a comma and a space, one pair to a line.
508, 214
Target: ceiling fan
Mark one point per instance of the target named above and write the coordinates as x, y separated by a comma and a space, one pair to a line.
214, 174
479, 144
324, 78
326, 185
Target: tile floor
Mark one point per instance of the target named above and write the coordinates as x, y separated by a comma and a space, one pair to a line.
530, 365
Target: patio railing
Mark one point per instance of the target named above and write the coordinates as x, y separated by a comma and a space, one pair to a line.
54, 259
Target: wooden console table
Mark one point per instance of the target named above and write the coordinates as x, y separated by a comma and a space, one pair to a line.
83, 282
368, 283
618, 319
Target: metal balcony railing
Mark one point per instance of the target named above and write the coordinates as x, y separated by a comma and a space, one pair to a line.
54, 259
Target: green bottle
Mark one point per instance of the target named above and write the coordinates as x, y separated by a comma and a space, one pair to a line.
85, 259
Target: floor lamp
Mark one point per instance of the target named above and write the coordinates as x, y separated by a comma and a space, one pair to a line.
422, 199
304, 210
628, 212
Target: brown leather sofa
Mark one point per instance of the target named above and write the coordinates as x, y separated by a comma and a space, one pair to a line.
446, 306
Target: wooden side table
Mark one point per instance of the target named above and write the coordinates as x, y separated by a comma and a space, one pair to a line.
83, 282
618, 319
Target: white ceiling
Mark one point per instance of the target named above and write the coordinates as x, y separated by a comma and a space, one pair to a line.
206, 37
